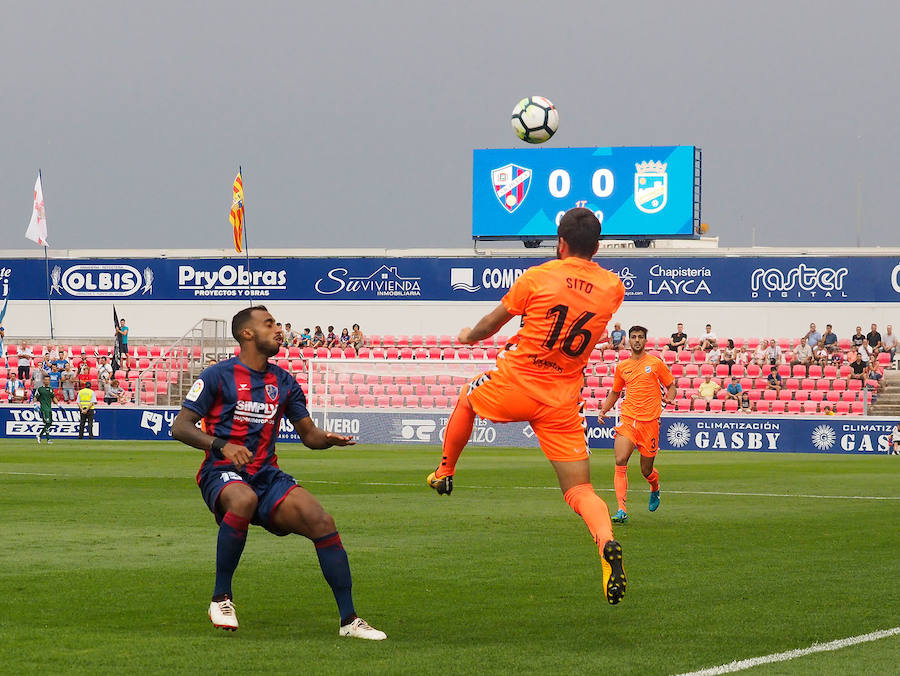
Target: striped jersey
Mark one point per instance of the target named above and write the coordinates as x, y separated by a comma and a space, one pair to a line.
245, 407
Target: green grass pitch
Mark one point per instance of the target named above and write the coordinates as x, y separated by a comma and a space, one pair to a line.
107, 564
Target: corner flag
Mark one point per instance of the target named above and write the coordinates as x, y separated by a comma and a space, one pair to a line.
37, 228
236, 215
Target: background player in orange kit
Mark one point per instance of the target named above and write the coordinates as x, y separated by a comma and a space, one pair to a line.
565, 305
642, 376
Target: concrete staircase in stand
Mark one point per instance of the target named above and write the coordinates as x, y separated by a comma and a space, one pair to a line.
888, 403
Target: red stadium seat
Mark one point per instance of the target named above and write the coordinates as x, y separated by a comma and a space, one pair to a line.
449, 353
798, 371
709, 370
753, 371
778, 406
388, 341
731, 406
786, 395
810, 407
716, 406
816, 395
770, 395
763, 406
808, 384
364, 353
682, 405
478, 353
795, 407
406, 353
784, 370
738, 370
699, 405
815, 371
792, 384
801, 395
857, 408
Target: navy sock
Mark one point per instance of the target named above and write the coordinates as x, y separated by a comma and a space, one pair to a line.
336, 569
230, 546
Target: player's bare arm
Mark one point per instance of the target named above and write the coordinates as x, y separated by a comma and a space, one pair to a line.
607, 405
316, 437
185, 430
671, 392
486, 327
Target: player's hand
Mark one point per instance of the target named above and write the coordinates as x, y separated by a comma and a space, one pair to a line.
239, 455
601, 418
463, 336
339, 439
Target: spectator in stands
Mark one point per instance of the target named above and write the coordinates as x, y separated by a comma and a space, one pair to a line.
858, 369
305, 338
15, 387
836, 358
812, 337
104, 373
344, 339
714, 356
25, 358
858, 337
822, 356
62, 360
679, 339
830, 339
874, 339
84, 370
53, 377
803, 354
2, 336
729, 355
114, 393
734, 389
759, 356
357, 339
290, 336
865, 350
40, 373
708, 340
827, 410
773, 353
122, 337
318, 338
773, 381
51, 354
330, 338
617, 337
889, 341
744, 403
707, 390
67, 381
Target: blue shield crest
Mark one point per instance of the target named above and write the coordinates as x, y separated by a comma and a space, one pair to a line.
651, 183
511, 185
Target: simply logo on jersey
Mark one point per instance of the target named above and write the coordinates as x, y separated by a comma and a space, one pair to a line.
99, 280
463, 279
800, 282
385, 281
255, 412
230, 281
511, 185
651, 186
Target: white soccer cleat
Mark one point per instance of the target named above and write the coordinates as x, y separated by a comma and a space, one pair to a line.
38, 437
359, 628
223, 615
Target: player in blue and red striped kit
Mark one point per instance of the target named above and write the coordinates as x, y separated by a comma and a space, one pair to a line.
241, 402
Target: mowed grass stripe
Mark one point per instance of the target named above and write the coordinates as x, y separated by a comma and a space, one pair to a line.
102, 573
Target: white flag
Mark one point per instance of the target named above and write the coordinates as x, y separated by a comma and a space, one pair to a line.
37, 229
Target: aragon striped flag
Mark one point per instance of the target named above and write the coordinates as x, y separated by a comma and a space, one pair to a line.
236, 215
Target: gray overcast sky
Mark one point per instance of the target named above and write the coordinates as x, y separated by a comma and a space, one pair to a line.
355, 121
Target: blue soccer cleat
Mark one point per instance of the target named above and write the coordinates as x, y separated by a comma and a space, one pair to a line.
654, 501
619, 517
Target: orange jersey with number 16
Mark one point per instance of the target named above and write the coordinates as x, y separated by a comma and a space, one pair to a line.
642, 380
565, 306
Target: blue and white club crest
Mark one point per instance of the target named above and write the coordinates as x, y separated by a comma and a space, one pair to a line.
651, 186
511, 185
272, 392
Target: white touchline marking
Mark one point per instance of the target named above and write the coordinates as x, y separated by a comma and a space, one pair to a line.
302, 481
740, 665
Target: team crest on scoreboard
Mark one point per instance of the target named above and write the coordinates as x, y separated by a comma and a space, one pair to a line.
511, 185
651, 186
272, 392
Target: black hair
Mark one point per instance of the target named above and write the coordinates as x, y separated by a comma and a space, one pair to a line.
242, 318
581, 230
641, 329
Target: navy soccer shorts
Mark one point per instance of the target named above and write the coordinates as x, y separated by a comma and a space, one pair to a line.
270, 484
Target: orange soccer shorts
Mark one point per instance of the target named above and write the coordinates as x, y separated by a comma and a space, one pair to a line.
644, 434
561, 431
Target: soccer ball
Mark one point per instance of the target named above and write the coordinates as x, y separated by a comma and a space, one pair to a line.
535, 119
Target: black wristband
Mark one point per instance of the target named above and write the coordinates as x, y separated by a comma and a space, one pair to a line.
217, 445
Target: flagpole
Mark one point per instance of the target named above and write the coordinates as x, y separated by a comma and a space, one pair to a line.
246, 245
47, 267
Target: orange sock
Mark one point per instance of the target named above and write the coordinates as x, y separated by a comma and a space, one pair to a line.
621, 483
590, 507
456, 436
653, 480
